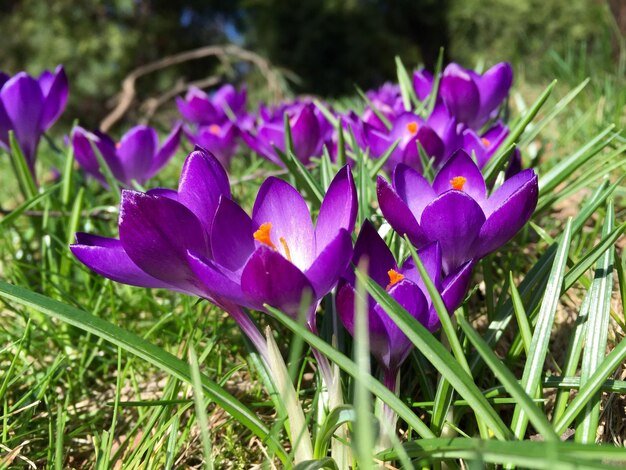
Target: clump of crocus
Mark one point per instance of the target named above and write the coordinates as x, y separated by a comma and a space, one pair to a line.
307, 131
136, 157
29, 107
225, 104
403, 283
456, 210
472, 98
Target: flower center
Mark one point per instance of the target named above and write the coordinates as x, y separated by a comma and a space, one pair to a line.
263, 235
485, 142
394, 278
412, 127
214, 129
458, 182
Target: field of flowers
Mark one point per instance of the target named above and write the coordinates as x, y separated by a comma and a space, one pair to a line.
427, 275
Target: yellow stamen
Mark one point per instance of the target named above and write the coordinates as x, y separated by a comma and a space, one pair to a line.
412, 127
286, 248
458, 182
214, 129
263, 235
485, 142
394, 278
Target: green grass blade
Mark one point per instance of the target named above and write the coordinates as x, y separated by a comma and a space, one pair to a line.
594, 383
26, 205
380, 161
409, 98
506, 378
562, 170
141, 348
520, 314
374, 109
352, 369
533, 369
25, 178
597, 331
202, 420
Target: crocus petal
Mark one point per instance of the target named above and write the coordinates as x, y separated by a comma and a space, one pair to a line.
231, 235
56, 92
338, 210
84, 154
398, 214
107, 257
331, 263
422, 83
306, 135
218, 282
453, 292
196, 107
136, 152
23, 103
461, 165
431, 142
430, 256
507, 210
166, 152
413, 189
202, 181
157, 232
270, 278
371, 246
454, 219
281, 205
494, 86
411, 298
5, 126
460, 93
164, 192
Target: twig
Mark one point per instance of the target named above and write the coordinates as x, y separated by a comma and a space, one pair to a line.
224, 52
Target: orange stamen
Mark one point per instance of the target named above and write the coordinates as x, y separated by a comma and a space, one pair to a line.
458, 182
262, 235
283, 242
412, 127
394, 277
214, 129
485, 142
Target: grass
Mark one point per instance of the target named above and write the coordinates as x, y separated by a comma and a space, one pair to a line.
79, 390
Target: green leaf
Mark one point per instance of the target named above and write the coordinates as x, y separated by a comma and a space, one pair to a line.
597, 330
334, 420
526, 454
344, 363
409, 98
506, 378
533, 369
26, 205
562, 170
143, 349
200, 407
23, 174
380, 162
322, 464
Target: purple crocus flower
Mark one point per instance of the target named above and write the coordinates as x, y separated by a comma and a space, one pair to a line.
422, 83
404, 284
220, 140
158, 228
456, 210
201, 109
307, 135
137, 156
29, 107
277, 255
472, 98
410, 129
485, 147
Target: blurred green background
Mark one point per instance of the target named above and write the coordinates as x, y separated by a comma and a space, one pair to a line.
323, 47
